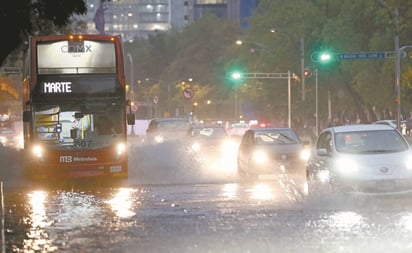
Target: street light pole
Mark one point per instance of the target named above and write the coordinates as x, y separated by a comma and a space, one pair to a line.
397, 71
316, 103
289, 102
302, 65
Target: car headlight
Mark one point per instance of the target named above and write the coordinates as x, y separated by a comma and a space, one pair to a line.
229, 148
260, 156
159, 138
37, 151
120, 148
196, 147
305, 154
346, 166
19, 141
409, 162
323, 176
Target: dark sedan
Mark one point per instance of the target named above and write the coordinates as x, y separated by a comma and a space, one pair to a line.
162, 130
212, 143
270, 151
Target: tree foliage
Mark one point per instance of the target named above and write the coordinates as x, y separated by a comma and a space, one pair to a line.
22, 18
205, 51
363, 88
199, 52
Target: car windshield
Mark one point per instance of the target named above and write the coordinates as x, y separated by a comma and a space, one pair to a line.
370, 142
283, 136
210, 133
173, 125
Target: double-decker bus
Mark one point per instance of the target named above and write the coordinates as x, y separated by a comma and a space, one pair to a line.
75, 110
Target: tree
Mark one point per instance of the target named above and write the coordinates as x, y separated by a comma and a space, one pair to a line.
22, 18
200, 51
358, 88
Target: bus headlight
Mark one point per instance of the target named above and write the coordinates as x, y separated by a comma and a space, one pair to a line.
120, 148
38, 151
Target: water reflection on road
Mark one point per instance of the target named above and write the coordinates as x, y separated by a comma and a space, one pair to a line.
198, 214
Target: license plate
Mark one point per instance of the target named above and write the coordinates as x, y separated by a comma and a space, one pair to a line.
116, 168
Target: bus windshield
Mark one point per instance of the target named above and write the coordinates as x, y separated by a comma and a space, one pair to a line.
86, 125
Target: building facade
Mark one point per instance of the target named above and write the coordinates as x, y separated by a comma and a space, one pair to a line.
141, 18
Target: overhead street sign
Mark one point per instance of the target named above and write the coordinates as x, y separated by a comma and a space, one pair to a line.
270, 75
363, 55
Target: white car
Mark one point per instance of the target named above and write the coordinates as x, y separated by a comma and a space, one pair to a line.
389, 122
368, 159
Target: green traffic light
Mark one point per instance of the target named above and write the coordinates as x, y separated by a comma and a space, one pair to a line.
237, 75
325, 57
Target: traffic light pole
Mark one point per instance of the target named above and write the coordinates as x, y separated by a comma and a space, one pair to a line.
288, 75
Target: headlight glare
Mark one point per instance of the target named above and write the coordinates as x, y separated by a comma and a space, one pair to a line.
228, 145
409, 162
229, 149
120, 148
346, 166
260, 157
323, 176
305, 154
37, 151
159, 138
196, 147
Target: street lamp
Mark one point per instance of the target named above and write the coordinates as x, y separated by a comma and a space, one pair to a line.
259, 46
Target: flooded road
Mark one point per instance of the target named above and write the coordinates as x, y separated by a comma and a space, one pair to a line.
206, 209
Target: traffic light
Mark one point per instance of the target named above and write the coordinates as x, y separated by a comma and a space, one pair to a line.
323, 57
235, 75
307, 72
